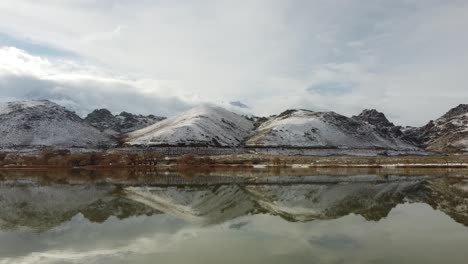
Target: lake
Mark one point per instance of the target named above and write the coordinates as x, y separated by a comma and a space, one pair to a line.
330, 217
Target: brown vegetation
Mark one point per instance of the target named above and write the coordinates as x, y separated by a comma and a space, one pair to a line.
276, 161
194, 161
57, 158
64, 159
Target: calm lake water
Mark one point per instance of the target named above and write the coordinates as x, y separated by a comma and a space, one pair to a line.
316, 219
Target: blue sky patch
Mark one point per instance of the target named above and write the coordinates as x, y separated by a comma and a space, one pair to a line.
35, 48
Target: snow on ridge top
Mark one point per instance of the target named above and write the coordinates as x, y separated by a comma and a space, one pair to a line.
6, 108
203, 125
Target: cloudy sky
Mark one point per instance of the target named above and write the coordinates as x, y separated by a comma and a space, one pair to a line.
407, 58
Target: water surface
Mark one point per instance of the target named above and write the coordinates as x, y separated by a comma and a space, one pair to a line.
316, 219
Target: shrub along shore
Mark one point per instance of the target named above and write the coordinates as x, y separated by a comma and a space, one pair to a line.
57, 158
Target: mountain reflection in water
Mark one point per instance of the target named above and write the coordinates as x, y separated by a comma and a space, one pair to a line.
42, 207
58, 223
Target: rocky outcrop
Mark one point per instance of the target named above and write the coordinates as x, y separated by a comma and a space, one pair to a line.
122, 123
374, 117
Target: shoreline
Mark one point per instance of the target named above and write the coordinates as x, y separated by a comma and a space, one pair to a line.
213, 175
243, 166
57, 159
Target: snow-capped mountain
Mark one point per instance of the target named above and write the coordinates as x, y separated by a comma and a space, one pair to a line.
124, 122
205, 125
43, 123
37, 123
449, 133
303, 128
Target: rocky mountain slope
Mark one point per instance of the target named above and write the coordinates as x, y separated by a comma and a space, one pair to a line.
43, 123
303, 128
122, 123
448, 133
201, 126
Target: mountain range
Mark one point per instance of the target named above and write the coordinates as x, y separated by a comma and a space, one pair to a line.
41, 123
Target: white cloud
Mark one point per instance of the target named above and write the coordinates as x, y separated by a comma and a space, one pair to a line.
82, 87
403, 57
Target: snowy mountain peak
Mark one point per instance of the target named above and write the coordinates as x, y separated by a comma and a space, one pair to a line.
205, 125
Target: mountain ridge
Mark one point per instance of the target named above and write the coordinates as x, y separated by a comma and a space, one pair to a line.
305, 128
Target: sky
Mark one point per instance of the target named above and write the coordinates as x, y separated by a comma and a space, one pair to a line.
406, 58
